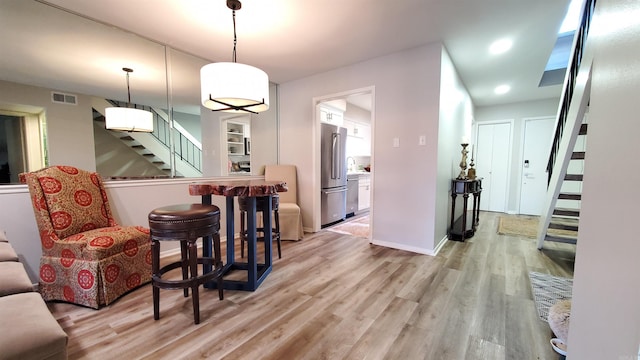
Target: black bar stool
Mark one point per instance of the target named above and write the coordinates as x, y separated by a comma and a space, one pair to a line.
185, 223
261, 205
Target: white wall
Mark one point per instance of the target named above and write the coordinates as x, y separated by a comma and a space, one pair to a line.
605, 314
456, 116
69, 127
518, 112
406, 104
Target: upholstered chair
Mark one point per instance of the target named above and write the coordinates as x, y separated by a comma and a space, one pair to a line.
289, 211
87, 258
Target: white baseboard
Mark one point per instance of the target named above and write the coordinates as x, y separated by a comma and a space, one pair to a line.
403, 247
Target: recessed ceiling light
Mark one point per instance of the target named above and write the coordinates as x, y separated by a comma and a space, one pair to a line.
500, 46
502, 89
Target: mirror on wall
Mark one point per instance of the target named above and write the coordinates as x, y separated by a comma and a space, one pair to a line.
64, 70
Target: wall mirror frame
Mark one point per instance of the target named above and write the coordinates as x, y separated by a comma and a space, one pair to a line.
65, 69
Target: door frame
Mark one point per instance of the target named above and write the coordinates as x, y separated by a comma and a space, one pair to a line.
315, 101
522, 136
511, 122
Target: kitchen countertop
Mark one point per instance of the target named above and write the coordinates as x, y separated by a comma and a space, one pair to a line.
353, 174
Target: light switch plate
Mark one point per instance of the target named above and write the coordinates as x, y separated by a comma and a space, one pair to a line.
422, 140
396, 142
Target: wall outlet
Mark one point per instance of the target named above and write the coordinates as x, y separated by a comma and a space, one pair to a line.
422, 140
396, 142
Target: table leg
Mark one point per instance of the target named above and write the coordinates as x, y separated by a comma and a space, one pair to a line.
268, 233
230, 231
252, 260
453, 211
464, 216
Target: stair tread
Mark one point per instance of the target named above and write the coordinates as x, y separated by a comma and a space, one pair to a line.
573, 177
566, 212
564, 220
583, 129
577, 155
562, 239
570, 196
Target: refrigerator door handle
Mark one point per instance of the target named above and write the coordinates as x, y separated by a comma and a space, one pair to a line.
334, 191
335, 156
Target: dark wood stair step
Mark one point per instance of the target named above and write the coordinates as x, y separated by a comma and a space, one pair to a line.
137, 146
562, 239
577, 155
570, 196
127, 138
583, 129
566, 212
563, 223
573, 177
149, 154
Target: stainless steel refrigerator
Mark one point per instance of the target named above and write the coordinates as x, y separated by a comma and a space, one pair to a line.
333, 173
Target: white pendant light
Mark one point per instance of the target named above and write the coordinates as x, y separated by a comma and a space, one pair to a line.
231, 86
128, 118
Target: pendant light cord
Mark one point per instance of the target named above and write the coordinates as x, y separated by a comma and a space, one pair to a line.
235, 38
128, 91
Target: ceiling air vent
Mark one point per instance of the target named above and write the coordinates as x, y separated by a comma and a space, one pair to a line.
62, 98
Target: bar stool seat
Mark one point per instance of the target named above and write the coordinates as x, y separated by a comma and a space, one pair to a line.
261, 206
185, 223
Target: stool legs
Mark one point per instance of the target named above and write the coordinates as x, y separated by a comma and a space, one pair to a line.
218, 264
276, 232
189, 267
155, 271
184, 260
195, 296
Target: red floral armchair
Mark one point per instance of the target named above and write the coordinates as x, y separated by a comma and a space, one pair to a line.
87, 258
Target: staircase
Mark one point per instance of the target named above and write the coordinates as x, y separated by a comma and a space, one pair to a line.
561, 214
563, 225
155, 147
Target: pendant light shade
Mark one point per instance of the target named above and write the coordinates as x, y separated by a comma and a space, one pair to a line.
128, 118
231, 86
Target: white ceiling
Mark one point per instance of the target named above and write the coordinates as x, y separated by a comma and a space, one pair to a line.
289, 39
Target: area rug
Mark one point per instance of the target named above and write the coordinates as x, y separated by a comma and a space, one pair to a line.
548, 290
358, 227
526, 227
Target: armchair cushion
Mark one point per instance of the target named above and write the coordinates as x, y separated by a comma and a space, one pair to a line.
75, 203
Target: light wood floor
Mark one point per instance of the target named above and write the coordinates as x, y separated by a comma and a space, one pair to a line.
333, 296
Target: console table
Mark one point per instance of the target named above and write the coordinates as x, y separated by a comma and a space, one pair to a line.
461, 228
256, 272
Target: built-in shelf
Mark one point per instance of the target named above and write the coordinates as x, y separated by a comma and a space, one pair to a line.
236, 156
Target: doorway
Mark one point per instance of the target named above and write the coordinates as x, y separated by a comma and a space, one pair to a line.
536, 144
493, 146
358, 120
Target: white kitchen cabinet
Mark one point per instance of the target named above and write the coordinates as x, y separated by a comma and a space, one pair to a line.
358, 138
364, 192
331, 115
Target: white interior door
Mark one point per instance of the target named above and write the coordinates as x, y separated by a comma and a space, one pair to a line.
493, 148
538, 134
